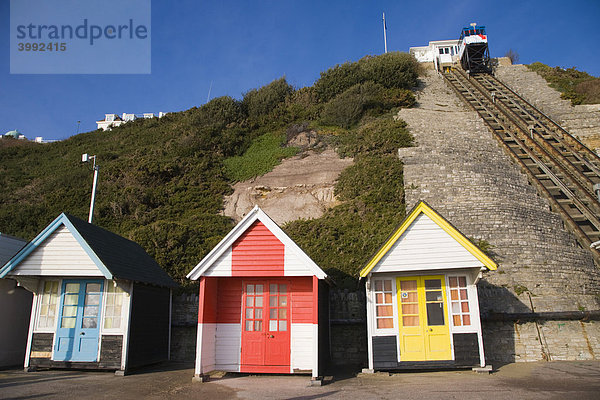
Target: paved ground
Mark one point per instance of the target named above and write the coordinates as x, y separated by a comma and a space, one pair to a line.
554, 380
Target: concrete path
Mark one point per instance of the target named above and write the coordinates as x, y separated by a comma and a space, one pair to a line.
554, 380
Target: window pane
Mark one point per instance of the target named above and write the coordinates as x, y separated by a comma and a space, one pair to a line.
283, 313
92, 299
273, 288
249, 289
249, 313
408, 285
117, 323
273, 301
462, 281
51, 311
385, 311
44, 310
410, 321
258, 313
379, 298
385, 323
435, 314
388, 298
72, 288
259, 289
258, 326
410, 308
455, 308
378, 286
410, 297
92, 288
464, 306
282, 326
118, 299
258, 301
250, 301
463, 294
273, 325
282, 301
71, 299
456, 320
108, 323
43, 323
432, 284
90, 311
273, 313
454, 294
282, 289
453, 281
68, 323
466, 319
110, 299
90, 323
69, 311
249, 326
433, 296
387, 285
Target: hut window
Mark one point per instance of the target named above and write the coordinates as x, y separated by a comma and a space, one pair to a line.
384, 315
459, 300
114, 306
48, 301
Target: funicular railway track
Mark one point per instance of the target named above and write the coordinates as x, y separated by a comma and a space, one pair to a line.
560, 166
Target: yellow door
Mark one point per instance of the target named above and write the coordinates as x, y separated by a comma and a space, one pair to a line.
424, 330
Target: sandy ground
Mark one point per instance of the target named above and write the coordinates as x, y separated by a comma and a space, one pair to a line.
544, 380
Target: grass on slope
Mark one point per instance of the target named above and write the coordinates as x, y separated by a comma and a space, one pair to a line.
574, 85
262, 156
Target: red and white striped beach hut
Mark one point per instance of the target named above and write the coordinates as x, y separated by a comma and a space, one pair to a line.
263, 303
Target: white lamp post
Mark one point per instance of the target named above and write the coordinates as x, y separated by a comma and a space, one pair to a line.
86, 158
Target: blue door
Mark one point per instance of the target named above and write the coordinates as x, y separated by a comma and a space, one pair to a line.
78, 326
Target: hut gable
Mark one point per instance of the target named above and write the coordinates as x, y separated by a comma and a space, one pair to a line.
426, 241
69, 246
256, 246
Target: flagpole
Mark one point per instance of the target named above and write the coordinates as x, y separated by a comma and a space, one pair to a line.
384, 34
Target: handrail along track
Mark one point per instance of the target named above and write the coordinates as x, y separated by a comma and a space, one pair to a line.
556, 163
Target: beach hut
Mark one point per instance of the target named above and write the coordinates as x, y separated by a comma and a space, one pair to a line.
99, 300
15, 306
422, 304
263, 304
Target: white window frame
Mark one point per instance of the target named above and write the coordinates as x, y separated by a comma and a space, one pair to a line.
124, 308
384, 331
473, 311
52, 329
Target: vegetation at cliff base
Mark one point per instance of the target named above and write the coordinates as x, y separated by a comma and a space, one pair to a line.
162, 181
577, 86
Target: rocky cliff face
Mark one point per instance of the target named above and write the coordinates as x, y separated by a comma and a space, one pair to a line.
300, 187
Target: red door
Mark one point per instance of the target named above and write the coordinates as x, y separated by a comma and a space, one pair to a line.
265, 326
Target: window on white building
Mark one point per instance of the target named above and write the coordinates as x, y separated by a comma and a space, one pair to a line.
384, 308
114, 306
459, 301
48, 301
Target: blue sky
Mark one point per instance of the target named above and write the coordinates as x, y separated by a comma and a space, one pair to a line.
240, 45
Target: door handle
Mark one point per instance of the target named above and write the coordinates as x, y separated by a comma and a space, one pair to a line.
82, 333
270, 336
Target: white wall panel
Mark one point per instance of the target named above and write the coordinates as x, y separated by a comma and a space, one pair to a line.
423, 246
59, 255
221, 267
302, 343
293, 265
228, 346
208, 347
